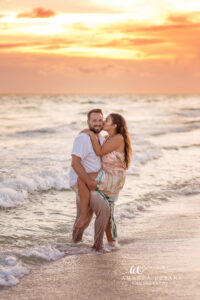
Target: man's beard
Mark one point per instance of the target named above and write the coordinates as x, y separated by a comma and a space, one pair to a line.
95, 130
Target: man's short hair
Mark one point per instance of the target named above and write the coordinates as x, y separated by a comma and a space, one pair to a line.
96, 110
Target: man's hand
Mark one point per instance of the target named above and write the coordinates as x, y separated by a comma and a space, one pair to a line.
79, 169
92, 185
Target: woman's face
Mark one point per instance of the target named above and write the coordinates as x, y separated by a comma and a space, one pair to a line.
108, 124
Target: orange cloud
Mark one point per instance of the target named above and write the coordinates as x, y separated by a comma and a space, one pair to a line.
127, 43
37, 13
54, 45
45, 44
8, 46
177, 34
2, 16
173, 22
18, 45
184, 17
128, 39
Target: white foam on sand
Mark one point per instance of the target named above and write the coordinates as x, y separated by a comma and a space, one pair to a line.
11, 270
48, 253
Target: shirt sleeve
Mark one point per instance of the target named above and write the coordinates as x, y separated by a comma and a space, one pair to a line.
101, 139
80, 146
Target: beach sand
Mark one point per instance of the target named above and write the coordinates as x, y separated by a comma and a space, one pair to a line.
163, 257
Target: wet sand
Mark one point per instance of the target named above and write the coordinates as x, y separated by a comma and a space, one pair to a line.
161, 261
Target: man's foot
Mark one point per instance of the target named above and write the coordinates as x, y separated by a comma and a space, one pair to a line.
76, 236
101, 250
82, 221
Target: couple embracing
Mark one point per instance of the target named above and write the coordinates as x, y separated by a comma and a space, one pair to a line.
97, 174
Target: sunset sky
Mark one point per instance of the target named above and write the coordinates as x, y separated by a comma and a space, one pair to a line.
100, 46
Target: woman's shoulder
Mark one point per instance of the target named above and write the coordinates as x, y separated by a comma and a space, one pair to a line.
119, 137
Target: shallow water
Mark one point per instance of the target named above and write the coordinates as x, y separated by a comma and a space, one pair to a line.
37, 209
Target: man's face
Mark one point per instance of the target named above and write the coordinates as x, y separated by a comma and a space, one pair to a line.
95, 123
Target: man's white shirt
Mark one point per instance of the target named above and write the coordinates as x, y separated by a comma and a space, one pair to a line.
83, 148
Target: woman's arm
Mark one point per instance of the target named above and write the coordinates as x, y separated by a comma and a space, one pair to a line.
112, 144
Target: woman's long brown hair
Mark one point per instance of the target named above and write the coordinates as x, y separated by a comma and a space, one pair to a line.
123, 130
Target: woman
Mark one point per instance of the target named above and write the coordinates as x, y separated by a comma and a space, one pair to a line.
115, 153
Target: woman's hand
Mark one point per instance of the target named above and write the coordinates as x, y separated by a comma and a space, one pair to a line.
87, 131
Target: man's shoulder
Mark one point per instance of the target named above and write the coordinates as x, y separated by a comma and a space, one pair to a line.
81, 145
82, 140
82, 137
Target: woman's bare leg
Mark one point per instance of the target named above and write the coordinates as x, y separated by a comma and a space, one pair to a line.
84, 194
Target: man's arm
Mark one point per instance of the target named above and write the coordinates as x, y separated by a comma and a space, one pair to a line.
80, 171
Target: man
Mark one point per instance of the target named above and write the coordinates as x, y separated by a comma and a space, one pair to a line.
84, 160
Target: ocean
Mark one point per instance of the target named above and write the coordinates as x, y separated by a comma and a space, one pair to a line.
37, 208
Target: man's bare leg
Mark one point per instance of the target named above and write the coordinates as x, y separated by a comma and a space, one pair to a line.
108, 233
84, 195
102, 211
78, 233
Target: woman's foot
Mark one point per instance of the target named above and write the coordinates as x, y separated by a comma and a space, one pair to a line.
82, 221
113, 245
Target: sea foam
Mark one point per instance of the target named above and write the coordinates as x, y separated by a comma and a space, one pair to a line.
48, 253
11, 270
14, 191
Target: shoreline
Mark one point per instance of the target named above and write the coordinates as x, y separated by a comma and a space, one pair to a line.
161, 261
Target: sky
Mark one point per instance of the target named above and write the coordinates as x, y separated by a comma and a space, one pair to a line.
100, 47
